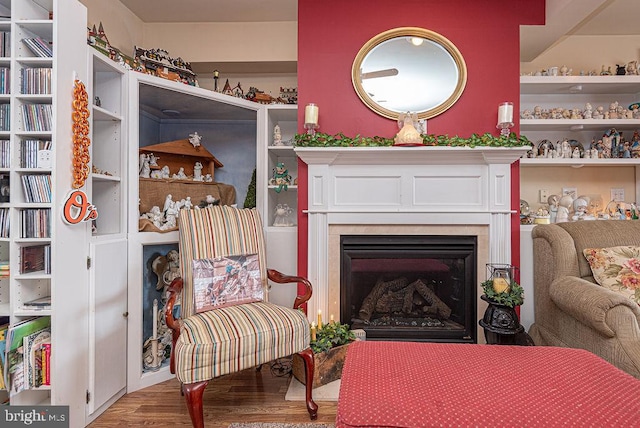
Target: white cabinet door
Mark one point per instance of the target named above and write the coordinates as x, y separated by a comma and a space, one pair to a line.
108, 322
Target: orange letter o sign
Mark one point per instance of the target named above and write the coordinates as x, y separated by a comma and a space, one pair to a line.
77, 208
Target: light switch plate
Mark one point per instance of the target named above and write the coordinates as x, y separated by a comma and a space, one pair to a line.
44, 159
617, 195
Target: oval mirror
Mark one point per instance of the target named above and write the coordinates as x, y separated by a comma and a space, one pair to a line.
409, 69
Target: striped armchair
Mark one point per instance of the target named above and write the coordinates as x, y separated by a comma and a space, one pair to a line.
228, 339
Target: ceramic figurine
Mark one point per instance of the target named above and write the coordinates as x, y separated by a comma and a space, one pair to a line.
576, 153
155, 216
161, 173
197, 172
281, 178
587, 113
171, 215
606, 72
632, 67
168, 200
564, 150
144, 169
153, 159
187, 204
408, 135
195, 139
180, 175
277, 136
282, 216
553, 207
580, 209
564, 205
599, 113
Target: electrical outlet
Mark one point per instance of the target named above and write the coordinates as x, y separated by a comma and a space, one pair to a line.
617, 195
544, 196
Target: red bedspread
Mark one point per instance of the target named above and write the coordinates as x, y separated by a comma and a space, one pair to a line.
407, 384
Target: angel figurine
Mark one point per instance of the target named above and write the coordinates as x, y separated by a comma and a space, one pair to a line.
195, 139
408, 135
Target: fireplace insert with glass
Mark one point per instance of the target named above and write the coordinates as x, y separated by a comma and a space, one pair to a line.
406, 287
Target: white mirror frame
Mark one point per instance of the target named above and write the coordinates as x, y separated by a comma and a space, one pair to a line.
440, 43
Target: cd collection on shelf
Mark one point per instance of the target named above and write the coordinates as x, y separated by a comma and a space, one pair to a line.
5, 82
35, 223
34, 80
37, 188
39, 46
5, 153
35, 258
37, 117
29, 152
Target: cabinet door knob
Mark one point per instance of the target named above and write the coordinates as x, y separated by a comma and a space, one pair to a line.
125, 314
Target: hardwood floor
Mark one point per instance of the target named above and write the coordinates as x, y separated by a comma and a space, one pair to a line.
247, 396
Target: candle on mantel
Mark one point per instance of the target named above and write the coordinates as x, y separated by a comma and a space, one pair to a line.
319, 319
313, 331
505, 112
155, 319
311, 114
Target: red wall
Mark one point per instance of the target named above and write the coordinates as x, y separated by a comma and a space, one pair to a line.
331, 32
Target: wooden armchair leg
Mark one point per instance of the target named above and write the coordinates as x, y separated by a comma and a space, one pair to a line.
193, 394
309, 366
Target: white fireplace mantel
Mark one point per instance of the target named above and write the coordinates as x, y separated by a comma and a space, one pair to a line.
387, 187
409, 155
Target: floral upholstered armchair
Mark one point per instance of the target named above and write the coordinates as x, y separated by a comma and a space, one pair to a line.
226, 323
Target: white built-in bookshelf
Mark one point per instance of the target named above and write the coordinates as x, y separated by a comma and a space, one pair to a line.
43, 260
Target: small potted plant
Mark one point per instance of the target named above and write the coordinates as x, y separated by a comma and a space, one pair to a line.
329, 344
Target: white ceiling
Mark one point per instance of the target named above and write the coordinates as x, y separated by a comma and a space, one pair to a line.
564, 17
213, 10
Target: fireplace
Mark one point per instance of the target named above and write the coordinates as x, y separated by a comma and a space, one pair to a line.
409, 287
406, 191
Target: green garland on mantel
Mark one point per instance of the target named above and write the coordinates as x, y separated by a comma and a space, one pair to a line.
340, 140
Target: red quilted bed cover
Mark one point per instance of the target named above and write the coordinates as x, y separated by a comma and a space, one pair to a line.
408, 384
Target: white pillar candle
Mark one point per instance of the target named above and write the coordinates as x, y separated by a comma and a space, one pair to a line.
311, 114
505, 113
154, 352
155, 319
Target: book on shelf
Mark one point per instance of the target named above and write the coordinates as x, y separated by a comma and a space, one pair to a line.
32, 354
4, 270
3, 335
35, 258
16, 367
46, 363
40, 303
